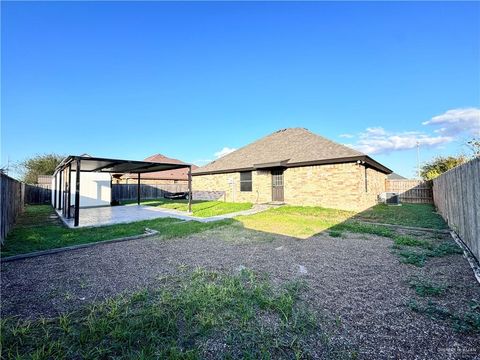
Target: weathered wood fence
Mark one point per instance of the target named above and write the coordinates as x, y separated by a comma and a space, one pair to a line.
11, 203
147, 191
38, 194
411, 191
457, 197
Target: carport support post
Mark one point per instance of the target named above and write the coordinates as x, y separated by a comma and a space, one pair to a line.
69, 194
138, 188
55, 192
190, 189
59, 207
77, 194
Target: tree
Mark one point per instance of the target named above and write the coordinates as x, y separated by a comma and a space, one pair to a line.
39, 165
440, 164
474, 144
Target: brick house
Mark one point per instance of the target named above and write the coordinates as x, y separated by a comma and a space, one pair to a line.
296, 167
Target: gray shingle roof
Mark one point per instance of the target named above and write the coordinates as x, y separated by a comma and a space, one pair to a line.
286, 146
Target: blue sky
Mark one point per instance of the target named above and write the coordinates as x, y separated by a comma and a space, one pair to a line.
127, 80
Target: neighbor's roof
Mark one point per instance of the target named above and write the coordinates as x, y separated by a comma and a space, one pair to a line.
395, 176
291, 147
174, 174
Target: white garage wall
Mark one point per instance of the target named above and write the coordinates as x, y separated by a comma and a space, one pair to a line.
95, 189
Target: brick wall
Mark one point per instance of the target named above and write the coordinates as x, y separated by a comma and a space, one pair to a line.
230, 184
340, 186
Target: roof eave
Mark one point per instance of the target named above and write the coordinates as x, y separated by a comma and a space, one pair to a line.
363, 158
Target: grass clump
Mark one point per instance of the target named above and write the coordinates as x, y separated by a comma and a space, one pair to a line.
426, 288
415, 251
406, 240
335, 233
363, 228
200, 208
38, 228
466, 322
242, 313
412, 258
416, 215
445, 249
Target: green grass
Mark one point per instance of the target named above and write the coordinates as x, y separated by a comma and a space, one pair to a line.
413, 258
363, 228
199, 208
426, 288
36, 230
414, 251
297, 221
406, 240
304, 221
466, 321
235, 316
417, 215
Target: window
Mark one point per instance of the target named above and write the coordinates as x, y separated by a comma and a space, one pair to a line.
246, 181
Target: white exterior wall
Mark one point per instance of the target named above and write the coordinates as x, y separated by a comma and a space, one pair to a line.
95, 189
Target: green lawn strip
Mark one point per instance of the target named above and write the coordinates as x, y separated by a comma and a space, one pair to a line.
415, 215
298, 221
199, 208
463, 321
40, 235
187, 316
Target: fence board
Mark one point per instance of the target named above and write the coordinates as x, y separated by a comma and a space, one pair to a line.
457, 197
411, 191
11, 203
38, 194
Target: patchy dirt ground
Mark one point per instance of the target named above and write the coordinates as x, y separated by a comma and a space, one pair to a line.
356, 283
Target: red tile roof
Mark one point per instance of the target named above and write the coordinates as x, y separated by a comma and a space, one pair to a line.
176, 174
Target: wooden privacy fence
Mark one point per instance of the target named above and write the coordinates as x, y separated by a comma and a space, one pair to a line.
11, 203
457, 197
38, 194
411, 191
147, 191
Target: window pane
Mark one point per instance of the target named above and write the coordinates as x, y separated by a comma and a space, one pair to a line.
246, 186
246, 181
246, 176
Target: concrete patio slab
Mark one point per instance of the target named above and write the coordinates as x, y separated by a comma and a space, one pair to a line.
110, 215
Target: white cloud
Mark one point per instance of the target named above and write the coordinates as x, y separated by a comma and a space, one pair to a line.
347, 136
379, 141
374, 131
226, 150
457, 121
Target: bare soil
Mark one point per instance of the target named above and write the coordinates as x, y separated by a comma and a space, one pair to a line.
356, 283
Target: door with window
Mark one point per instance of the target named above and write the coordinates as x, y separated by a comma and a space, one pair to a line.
277, 185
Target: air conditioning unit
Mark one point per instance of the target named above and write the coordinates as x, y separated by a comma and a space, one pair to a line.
390, 198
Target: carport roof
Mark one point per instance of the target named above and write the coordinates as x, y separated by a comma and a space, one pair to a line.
106, 165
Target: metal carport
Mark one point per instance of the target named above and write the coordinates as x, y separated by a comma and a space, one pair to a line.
83, 163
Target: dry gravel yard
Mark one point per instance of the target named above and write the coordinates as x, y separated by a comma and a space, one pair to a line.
367, 303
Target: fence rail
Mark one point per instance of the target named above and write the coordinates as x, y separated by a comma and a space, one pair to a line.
11, 203
411, 191
457, 197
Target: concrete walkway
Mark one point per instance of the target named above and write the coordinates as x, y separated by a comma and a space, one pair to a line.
109, 215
